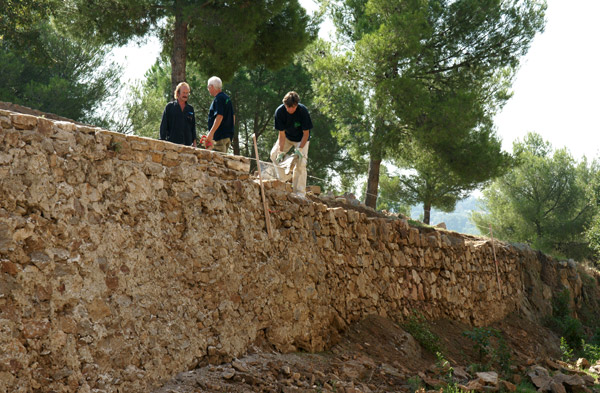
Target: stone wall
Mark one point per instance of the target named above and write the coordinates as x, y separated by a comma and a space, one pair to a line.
125, 260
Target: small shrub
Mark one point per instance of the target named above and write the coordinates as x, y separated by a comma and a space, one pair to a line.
414, 383
561, 304
563, 323
502, 355
476, 368
481, 340
565, 350
498, 354
590, 351
418, 327
443, 367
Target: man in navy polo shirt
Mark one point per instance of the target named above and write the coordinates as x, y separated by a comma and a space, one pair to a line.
178, 124
221, 117
293, 122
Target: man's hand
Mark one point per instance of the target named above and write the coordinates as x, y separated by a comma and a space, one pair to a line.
204, 142
280, 158
298, 153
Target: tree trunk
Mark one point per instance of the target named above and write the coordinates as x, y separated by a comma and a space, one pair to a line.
235, 144
426, 213
179, 55
373, 180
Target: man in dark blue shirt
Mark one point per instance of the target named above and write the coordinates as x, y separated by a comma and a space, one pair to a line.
293, 122
221, 117
178, 123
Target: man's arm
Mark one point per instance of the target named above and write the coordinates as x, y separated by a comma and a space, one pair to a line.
305, 135
281, 140
194, 135
215, 127
164, 126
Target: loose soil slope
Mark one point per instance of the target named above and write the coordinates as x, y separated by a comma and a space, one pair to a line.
374, 355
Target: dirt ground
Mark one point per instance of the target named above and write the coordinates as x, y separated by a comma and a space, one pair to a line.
374, 355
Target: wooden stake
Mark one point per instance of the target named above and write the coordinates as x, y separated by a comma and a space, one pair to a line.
262, 188
495, 260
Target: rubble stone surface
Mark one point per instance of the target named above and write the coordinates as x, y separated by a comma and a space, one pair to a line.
124, 260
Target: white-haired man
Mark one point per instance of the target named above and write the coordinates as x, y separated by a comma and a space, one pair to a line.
221, 117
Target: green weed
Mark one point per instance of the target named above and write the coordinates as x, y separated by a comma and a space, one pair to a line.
491, 347
565, 350
414, 383
419, 328
563, 323
453, 388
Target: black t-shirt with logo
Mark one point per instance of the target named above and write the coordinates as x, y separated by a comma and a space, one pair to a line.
293, 124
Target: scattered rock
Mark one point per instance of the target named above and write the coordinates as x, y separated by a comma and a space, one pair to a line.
239, 366
507, 386
582, 363
474, 385
489, 378
228, 373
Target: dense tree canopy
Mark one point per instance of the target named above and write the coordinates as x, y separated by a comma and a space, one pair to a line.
65, 76
433, 71
217, 36
19, 20
548, 200
427, 179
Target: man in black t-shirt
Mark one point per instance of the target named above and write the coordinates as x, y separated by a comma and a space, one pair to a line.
221, 117
178, 124
293, 122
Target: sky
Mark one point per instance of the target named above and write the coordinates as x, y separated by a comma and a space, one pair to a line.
556, 92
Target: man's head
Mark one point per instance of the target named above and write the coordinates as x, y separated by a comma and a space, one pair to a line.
214, 85
182, 92
291, 101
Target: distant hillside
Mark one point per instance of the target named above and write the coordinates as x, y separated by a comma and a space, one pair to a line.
457, 221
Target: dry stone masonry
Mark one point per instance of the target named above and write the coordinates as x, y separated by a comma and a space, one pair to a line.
124, 260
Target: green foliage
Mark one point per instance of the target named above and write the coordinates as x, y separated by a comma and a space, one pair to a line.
548, 200
430, 74
389, 198
526, 387
590, 351
66, 78
443, 367
218, 36
561, 304
459, 220
565, 350
563, 323
491, 347
453, 66
19, 21
428, 180
481, 340
592, 233
415, 383
453, 388
419, 328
